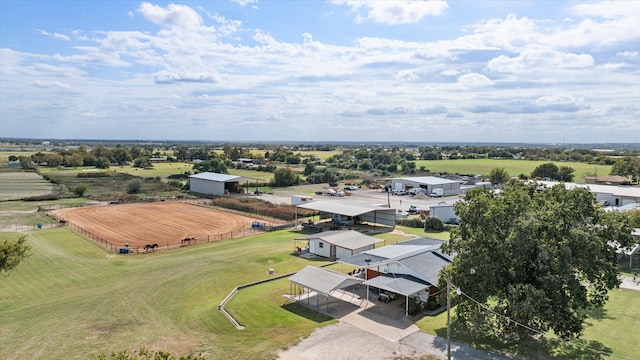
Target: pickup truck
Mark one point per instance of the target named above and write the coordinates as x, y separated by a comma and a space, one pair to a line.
414, 209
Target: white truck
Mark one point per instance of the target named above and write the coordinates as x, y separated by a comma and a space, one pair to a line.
437, 193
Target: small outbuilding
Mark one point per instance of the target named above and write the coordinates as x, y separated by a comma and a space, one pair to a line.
339, 244
322, 281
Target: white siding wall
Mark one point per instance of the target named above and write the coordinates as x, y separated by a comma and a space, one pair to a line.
444, 213
342, 253
320, 251
206, 186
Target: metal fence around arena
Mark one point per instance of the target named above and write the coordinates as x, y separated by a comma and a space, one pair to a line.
256, 227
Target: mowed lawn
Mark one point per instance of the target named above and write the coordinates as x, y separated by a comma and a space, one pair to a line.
72, 299
513, 167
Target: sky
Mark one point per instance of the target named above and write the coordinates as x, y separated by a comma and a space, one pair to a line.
336, 70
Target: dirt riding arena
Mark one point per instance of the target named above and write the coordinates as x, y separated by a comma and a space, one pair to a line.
167, 224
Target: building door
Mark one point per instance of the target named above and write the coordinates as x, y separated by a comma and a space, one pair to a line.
332, 251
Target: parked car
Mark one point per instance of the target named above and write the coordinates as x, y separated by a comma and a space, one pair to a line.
399, 192
333, 183
414, 209
351, 188
387, 296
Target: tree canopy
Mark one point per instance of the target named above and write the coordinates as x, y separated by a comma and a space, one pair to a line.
541, 258
553, 172
12, 252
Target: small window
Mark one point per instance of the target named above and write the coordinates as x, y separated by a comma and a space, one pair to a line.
321, 245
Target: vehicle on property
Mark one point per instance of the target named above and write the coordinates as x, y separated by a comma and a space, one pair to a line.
326, 191
399, 192
401, 214
416, 191
437, 193
453, 221
333, 184
351, 188
414, 209
387, 296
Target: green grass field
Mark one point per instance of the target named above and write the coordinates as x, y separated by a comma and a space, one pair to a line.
19, 185
612, 332
513, 167
71, 299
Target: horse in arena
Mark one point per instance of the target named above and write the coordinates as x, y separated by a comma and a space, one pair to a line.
187, 240
151, 247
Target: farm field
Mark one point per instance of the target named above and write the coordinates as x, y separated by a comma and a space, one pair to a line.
513, 167
161, 222
20, 185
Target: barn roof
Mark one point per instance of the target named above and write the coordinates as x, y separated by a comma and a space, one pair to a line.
344, 208
323, 280
221, 177
428, 180
349, 239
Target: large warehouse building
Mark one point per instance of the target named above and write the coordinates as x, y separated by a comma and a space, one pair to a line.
426, 184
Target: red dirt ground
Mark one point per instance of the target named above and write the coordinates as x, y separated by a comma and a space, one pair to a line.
161, 223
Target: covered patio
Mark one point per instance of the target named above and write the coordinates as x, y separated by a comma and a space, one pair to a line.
320, 281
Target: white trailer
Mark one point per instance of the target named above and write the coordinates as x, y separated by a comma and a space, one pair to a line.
300, 199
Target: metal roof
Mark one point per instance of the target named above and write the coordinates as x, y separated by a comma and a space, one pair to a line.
399, 283
428, 180
421, 257
349, 239
624, 191
323, 280
220, 177
344, 208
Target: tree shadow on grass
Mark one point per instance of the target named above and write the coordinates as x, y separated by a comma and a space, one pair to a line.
598, 314
545, 348
305, 312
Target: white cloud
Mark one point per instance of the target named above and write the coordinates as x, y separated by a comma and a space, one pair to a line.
54, 35
537, 58
474, 80
173, 15
245, 2
165, 77
395, 12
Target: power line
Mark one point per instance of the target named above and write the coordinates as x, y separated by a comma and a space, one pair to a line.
460, 292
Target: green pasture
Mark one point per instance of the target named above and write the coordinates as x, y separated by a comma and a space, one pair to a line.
19, 185
513, 167
72, 299
610, 332
162, 169
4, 155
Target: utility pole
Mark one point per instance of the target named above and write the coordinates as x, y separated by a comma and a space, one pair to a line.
448, 320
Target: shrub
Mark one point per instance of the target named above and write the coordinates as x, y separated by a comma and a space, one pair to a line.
413, 223
433, 223
80, 189
134, 186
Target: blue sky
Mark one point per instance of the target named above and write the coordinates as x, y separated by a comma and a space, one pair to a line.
419, 71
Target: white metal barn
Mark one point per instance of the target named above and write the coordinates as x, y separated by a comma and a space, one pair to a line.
427, 184
443, 212
336, 244
345, 213
215, 184
613, 195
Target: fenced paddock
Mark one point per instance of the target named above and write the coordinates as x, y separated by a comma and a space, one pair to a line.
167, 224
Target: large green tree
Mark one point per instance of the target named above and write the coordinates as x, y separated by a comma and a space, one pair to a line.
540, 258
12, 252
498, 176
285, 177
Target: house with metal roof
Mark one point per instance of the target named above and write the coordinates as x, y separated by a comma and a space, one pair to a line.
337, 244
409, 268
217, 184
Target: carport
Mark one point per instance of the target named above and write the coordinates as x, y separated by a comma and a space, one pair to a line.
320, 280
401, 284
329, 208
